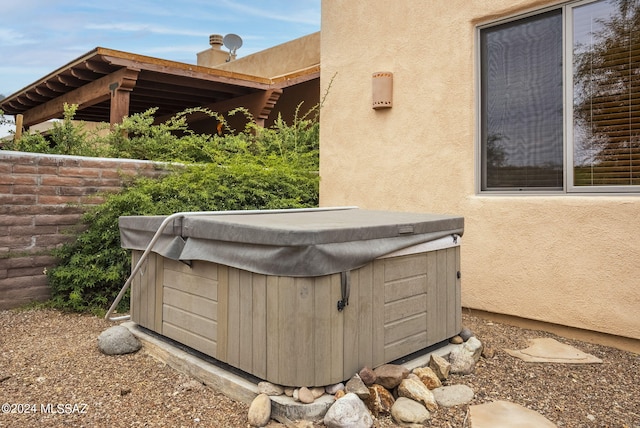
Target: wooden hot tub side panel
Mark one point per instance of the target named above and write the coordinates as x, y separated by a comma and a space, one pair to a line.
177, 301
404, 285
190, 304
243, 327
363, 332
421, 300
146, 292
445, 310
279, 328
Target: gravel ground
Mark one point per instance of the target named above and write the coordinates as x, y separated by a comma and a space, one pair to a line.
52, 375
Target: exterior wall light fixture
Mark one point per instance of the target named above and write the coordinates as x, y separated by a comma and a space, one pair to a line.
382, 90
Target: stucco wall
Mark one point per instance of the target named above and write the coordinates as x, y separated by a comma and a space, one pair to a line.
279, 59
565, 259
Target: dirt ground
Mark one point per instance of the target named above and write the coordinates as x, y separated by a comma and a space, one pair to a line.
53, 375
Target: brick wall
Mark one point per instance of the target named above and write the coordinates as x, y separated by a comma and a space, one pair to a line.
41, 201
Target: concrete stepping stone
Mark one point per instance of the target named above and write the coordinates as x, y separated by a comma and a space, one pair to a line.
547, 350
504, 414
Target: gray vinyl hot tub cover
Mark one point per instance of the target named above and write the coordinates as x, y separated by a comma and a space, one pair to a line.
299, 243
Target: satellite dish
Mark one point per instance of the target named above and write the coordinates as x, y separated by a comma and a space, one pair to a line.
232, 42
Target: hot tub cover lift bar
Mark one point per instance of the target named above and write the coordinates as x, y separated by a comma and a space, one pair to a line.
345, 293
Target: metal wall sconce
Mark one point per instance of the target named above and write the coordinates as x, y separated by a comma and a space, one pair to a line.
382, 90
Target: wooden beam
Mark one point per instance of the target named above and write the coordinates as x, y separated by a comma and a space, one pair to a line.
19, 127
259, 104
192, 71
119, 106
84, 96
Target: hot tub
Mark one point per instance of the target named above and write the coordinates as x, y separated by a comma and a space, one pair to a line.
299, 298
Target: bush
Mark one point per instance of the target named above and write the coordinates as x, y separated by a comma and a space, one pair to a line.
254, 169
66, 138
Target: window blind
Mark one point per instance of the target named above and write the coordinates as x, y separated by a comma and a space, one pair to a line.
606, 93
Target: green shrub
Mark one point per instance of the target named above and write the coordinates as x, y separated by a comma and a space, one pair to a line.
253, 169
66, 137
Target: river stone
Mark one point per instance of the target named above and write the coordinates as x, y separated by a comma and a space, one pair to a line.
332, 389
348, 412
259, 411
368, 376
406, 411
270, 389
456, 340
317, 391
465, 333
416, 390
390, 375
118, 340
305, 396
453, 395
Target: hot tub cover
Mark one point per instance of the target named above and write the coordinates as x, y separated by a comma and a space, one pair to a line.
297, 243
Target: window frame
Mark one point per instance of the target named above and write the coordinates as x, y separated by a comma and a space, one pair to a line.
568, 186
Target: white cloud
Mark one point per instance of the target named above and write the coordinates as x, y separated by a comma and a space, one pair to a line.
132, 27
11, 37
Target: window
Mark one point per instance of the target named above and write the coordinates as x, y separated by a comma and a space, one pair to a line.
560, 100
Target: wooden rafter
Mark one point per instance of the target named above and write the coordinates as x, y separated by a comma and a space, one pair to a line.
87, 95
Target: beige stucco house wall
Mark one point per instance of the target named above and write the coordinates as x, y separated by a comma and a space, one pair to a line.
566, 259
298, 54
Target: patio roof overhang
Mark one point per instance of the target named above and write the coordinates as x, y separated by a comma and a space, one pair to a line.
108, 84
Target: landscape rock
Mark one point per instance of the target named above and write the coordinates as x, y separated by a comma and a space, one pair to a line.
288, 391
413, 376
368, 376
440, 366
348, 412
416, 390
462, 362
463, 358
456, 340
332, 389
259, 411
506, 414
453, 395
474, 347
380, 400
270, 389
118, 340
465, 334
390, 375
339, 394
407, 412
428, 377
317, 392
305, 396
357, 386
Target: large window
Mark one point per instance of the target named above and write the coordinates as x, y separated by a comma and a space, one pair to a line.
560, 100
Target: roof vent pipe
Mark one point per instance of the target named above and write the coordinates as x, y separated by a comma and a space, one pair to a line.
215, 40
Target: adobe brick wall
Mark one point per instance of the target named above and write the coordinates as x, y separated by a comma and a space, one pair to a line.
42, 198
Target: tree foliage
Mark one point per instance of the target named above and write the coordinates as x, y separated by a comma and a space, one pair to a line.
606, 88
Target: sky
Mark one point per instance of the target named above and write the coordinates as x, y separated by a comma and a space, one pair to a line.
39, 36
